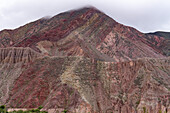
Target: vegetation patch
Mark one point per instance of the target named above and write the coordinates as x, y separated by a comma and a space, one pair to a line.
3, 109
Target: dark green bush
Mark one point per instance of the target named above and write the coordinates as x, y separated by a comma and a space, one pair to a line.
65, 111
144, 109
3, 109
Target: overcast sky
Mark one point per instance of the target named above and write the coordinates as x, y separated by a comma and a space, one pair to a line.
144, 15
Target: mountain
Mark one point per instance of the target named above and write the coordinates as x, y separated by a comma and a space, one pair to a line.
165, 47
84, 61
161, 34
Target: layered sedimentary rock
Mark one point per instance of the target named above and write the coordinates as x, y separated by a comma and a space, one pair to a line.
84, 61
165, 45
84, 85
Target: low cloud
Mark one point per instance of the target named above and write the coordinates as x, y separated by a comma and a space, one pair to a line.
145, 15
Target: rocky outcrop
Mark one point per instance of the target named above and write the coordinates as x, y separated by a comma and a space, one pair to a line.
16, 55
11, 62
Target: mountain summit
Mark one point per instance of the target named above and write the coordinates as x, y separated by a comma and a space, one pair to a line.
84, 61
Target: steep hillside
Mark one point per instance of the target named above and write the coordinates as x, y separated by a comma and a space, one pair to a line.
84, 61
161, 34
165, 46
84, 85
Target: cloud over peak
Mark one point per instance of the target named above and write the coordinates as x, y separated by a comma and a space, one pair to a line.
145, 15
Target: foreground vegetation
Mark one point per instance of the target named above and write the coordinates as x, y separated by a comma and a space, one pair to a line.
3, 109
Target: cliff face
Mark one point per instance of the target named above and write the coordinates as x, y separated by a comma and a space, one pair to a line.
17, 55
84, 61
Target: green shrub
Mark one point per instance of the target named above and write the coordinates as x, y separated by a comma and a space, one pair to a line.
160, 111
3, 109
65, 111
144, 109
40, 107
20, 111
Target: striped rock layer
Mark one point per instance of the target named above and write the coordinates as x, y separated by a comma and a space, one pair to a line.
84, 61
